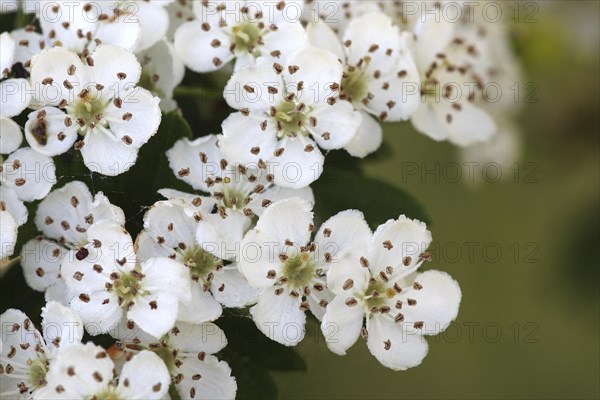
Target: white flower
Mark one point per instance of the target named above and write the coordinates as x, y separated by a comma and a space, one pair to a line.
337, 14
379, 284
285, 111
236, 193
101, 104
179, 12
25, 354
80, 26
187, 350
109, 282
449, 86
63, 217
152, 17
162, 71
30, 174
15, 92
13, 214
243, 30
279, 257
193, 241
380, 76
85, 371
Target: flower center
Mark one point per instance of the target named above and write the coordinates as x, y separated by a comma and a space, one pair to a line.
299, 270
290, 118
109, 393
246, 36
88, 110
37, 371
201, 263
377, 294
354, 86
128, 286
233, 198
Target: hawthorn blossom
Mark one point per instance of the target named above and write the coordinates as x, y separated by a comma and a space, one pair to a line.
449, 85
188, 352
244, 30
162, 72
279, 257
192, 240
13, 214
285, 112
96, 102
380, 76
85, 371
63, 217
26, 354
80, 26
380, 295
109, 283
236, 194
15, 92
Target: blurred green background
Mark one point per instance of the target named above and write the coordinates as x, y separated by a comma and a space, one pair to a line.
533, 310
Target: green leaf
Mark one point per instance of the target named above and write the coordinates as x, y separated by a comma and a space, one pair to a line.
246, 341
340, 189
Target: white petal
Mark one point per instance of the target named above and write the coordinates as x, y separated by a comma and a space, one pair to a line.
468, 125
54, 63
433, 36
288, 38
194, 338
30, 174
279, 317
102, 209
248, 88
152, 384
107, 155
201, 308
258, 256
276, 193
242, 136
138, 117
59, 292
322, 36
10, 135
406, 349
236, 292
35, 42
61, 326
425, 119
121, 32
342, 233
222, 236
193, 45
437, 301
172, 222
368, 138
64, 213
82, 369
165, 275
13, 205
41, 259
342, 324
153, 21
288, 219
7, 53
408, 238
8, 234
185, 162
111, 60
49, 135
215, 383
155, 313
15, 95
318, 69
300, 164
336, 125
375, 28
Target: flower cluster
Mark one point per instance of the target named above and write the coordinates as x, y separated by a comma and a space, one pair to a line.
92, 81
